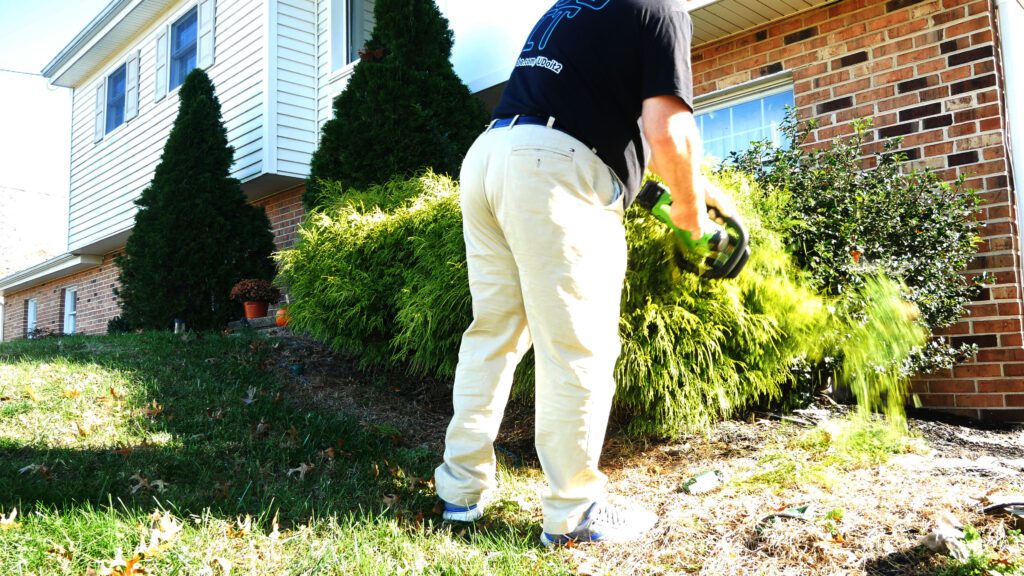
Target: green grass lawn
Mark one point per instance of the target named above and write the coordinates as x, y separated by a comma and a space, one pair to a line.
164, 445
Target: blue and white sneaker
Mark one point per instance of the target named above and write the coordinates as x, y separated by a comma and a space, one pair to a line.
603, 522
454, 513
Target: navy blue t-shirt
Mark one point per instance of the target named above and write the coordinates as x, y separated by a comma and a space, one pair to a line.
592, 63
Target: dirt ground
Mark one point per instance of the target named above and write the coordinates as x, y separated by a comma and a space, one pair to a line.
869, 519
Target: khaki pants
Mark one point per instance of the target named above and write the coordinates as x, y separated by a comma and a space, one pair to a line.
546, 252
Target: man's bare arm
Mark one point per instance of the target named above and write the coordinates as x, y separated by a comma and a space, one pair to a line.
676, 154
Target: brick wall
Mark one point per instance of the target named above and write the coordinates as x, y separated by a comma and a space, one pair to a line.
96, 301
285, 212
927, 70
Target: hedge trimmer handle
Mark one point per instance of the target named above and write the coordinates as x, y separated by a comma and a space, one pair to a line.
726, 249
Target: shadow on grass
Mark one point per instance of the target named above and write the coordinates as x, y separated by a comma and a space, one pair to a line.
198, 424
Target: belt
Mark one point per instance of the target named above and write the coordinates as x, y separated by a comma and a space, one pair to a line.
523, 120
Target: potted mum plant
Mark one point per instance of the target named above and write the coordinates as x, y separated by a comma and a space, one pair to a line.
256, 295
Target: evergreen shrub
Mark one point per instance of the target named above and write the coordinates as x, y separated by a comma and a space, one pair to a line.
404, 108
195, 233
844, 224
382, 273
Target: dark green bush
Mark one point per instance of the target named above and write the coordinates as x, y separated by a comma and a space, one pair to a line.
195, 233
382, 274
118, 325
844, 224
404, 108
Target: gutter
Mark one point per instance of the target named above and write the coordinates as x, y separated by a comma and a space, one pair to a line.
1011, 22
53, 269
83, 37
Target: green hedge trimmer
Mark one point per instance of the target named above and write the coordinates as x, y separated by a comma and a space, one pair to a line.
720, 254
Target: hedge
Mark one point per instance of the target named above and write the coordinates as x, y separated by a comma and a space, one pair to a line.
381, 274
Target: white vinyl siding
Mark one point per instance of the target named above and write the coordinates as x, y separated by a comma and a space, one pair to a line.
107, 178
70, 311
294, 135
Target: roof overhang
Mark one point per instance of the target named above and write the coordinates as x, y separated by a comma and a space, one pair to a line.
52, 269
717, 19
116, 27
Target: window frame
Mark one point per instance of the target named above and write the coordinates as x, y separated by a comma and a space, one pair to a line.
340, 38
71, 292
122, 68
31, 316
193, 11
758, 89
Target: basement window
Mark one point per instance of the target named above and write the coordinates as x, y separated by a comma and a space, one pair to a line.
70, 310
31, 317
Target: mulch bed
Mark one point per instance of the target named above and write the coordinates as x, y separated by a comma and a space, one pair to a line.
886, 509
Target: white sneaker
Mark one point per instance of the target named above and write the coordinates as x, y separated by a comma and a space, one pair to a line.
454, 513
603, 522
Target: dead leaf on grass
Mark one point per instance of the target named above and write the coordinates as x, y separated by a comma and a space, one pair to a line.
262, 429
153, 409
250, 396
32, 394
301, 470
217, 414
391, 499
7, 522
42, 469
291, 437
142, 482
242, 527
72, 391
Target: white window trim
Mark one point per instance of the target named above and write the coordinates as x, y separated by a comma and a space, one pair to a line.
162, 66
338, 20
745, 92
100, 128
31, 311
73, 315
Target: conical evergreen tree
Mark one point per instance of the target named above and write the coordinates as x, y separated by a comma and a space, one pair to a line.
404, 108
195, 234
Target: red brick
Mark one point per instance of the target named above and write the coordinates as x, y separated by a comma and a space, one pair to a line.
978, 371
1015, 400
952, 387
1000, 386
936, 400
966, 27
980, 400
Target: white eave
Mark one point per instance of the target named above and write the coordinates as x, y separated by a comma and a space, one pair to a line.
717, 19
114, 28
52, 269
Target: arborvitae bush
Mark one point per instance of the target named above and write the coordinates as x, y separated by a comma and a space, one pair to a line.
404, 108
382, 274
844, 224
195, 234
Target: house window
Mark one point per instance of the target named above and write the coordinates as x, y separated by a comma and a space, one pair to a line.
184, 42
117, 84
30, 317
729, 124
70, 310
351, 24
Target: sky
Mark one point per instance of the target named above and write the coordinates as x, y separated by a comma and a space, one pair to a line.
35, 119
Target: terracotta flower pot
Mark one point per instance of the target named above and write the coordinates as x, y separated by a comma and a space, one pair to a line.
282, 317
255, 310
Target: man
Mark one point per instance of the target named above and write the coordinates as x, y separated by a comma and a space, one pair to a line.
543, 194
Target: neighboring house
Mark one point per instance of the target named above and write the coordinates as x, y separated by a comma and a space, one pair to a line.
946, 74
